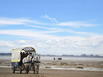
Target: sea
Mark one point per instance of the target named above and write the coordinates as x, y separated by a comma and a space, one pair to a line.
6, 57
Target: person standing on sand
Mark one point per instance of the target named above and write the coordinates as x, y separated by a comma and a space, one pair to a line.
54, 58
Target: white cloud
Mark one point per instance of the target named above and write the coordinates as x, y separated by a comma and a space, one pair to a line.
35, 23
18, 21
11, 21
76, 24
51, 19
45, 42
6, 43
29, 22
23, 21
75, 32
43, 34
70, 45
28, 33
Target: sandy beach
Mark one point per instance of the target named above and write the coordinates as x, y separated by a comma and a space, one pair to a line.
5, 72
52, 68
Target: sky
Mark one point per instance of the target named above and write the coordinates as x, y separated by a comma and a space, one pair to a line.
52, 26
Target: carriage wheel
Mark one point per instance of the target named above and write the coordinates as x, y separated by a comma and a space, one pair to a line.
14, 69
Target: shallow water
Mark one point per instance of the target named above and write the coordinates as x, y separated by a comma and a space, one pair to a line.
5, 57
73, 58
63, 68
80, 69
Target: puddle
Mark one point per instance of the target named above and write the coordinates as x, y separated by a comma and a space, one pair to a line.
5, 66
66, 68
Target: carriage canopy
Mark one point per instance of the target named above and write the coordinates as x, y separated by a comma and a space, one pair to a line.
29, 49
16, 53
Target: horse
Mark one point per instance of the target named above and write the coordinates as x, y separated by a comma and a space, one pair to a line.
27, 63
36, 64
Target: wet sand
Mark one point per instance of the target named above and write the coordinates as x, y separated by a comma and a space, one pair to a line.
5, 72
46, 71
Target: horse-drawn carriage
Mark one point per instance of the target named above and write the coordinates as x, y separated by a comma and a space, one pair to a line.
25, 59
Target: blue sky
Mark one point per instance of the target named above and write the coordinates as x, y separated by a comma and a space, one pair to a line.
52, 26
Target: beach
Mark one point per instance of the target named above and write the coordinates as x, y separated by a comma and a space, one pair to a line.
4, 72
58, 68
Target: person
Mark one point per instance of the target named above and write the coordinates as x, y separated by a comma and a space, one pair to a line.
54, 58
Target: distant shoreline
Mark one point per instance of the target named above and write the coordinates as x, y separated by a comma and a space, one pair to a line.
5, 54
82, 55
